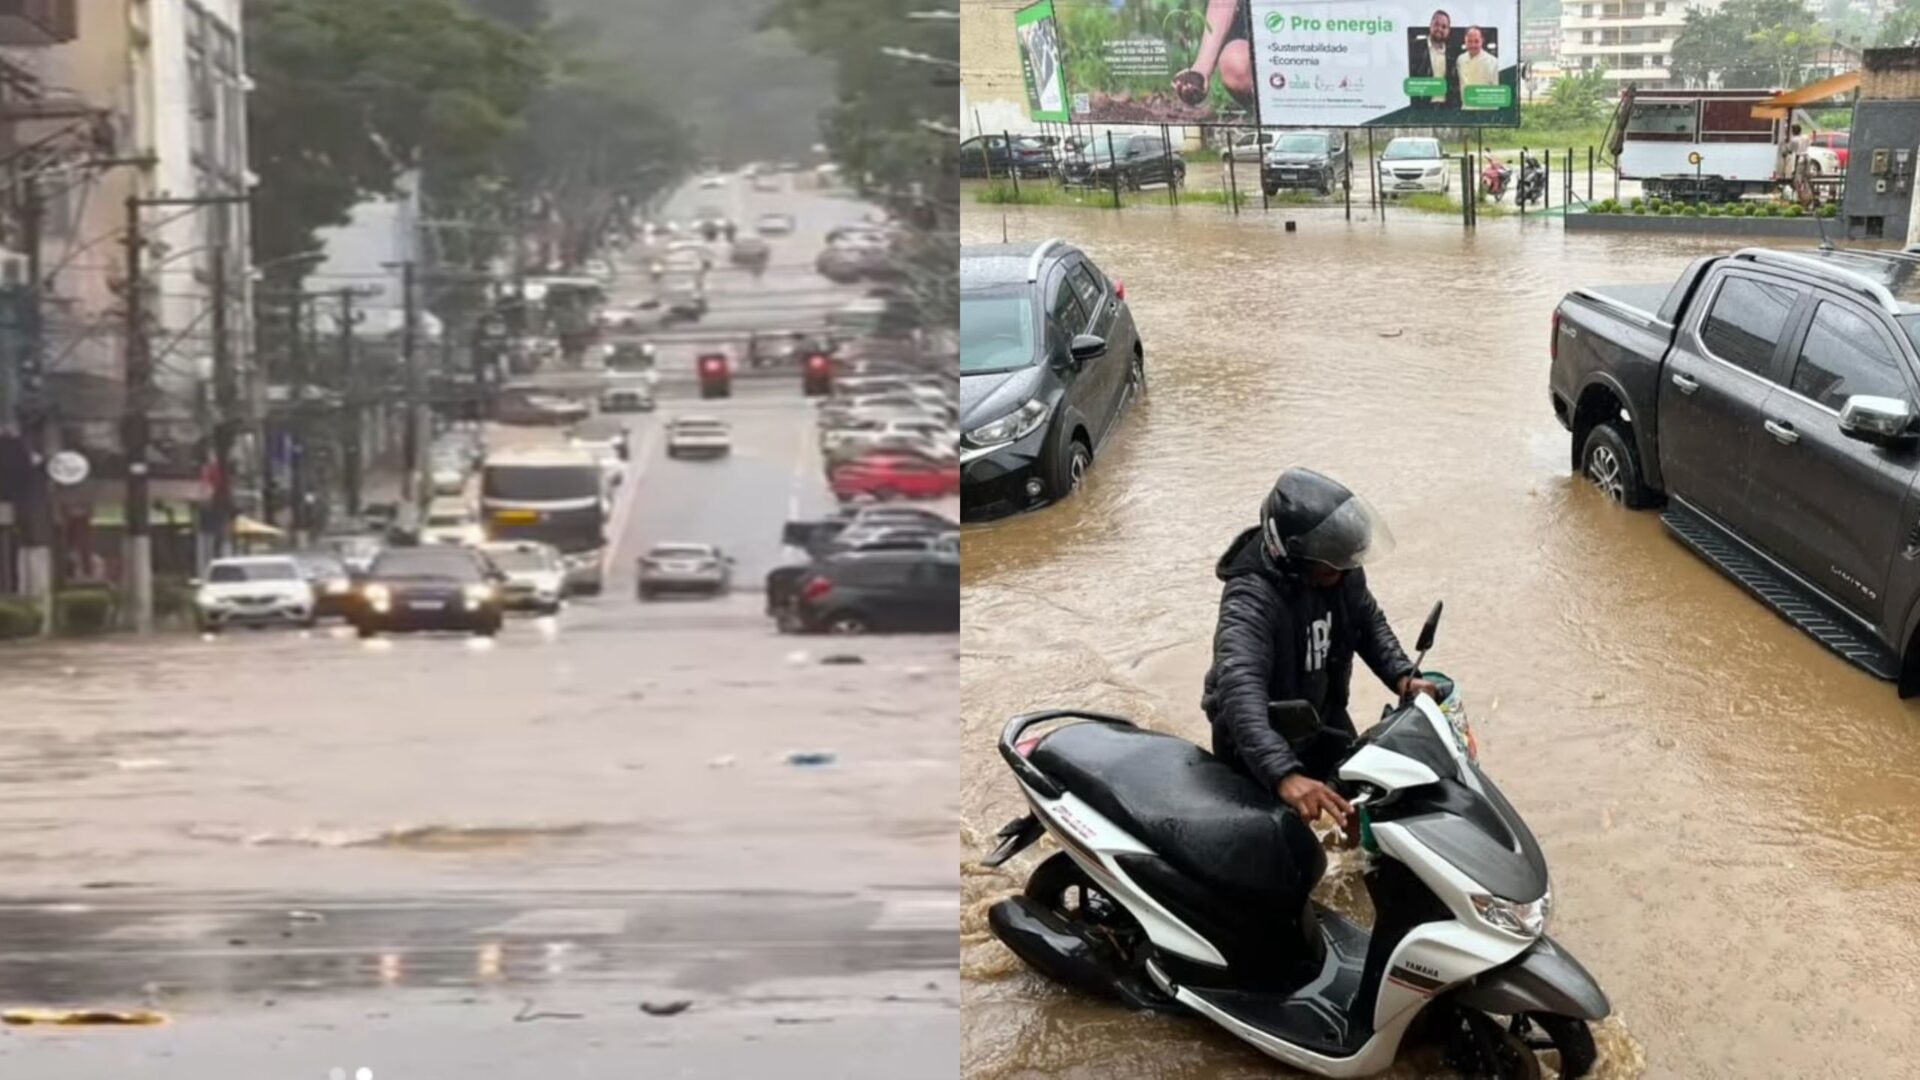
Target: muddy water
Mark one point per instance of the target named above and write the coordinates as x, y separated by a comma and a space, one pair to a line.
1731, 814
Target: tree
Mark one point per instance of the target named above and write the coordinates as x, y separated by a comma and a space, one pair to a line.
353, 94
1748, 43
1574, 100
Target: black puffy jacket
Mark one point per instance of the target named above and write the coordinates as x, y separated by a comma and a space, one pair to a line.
1263, 648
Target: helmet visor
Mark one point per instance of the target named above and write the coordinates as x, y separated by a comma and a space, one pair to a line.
1354, 535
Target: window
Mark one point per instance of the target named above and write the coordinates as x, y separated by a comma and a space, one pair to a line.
1844, 355
1745, 323
938, 574
1090, 293
1586, 37
1661, 118
1067, 312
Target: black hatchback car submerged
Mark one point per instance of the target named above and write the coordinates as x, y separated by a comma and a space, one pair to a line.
1049, 360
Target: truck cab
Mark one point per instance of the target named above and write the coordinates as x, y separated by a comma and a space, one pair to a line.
1769, 401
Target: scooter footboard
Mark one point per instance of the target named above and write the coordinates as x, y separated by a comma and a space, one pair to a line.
1068, 955
1544, 979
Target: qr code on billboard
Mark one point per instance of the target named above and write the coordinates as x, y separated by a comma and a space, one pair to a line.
1082, 104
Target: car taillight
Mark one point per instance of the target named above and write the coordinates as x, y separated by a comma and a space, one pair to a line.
1553, 346
816, 588
1025, 746
817, 362
1119, 290
713, 364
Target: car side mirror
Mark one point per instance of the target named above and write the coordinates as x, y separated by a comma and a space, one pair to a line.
1295, 721
1882, 421
1087, 347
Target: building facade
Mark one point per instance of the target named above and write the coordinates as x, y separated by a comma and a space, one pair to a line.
1631, 39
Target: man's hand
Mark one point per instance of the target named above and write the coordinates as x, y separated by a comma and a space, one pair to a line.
1310, 798
1414, 684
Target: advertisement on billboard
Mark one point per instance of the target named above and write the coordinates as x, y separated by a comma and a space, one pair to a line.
1156, 61
1040, 61
1387, 63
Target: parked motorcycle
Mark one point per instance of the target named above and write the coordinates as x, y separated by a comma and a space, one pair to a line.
1182, 886
1533, 180
1494, 177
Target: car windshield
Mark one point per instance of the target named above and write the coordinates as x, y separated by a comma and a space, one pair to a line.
1415, 149
1302, 144
431, 563
680, 551
224, 573
517, 559
996, 331
1102, 149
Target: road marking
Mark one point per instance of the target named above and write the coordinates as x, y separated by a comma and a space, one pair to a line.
623, 503
563, 922
941, 913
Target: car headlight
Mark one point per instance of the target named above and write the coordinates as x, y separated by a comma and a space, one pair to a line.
339, 586
1523, 920
208, 600
378, 597
1014, 426
1436, 170
478, 595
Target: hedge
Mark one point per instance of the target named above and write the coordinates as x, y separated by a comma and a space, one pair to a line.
86, 609
19, 617
1732, 209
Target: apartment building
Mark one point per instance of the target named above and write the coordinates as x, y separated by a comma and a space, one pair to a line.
1631, 39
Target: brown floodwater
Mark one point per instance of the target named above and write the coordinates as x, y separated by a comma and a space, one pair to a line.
1731, 813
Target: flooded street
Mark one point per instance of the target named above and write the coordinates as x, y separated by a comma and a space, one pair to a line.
435, 855
1730, 812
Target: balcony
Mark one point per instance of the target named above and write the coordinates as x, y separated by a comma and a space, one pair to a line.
39, 22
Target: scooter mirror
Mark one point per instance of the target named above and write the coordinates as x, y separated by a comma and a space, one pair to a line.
1427, 631
1294, 720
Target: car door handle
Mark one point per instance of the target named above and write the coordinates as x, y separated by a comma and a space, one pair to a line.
1782, 433
1686, 385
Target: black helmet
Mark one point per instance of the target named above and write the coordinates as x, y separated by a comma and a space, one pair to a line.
1311, 517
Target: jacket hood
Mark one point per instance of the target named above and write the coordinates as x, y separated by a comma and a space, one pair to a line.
1246, 555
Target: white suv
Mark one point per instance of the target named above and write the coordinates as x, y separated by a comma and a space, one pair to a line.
256, 590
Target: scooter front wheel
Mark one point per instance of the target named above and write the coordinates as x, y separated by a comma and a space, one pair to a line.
1478, 1046
1569, 1037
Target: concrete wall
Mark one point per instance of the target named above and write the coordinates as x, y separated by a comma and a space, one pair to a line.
992, 88
1890, 75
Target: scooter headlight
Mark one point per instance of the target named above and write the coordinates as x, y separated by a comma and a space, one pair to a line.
1521, 920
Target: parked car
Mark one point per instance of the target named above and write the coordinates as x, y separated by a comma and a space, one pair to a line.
332, 582
774, 223
255, 590
698, 436
1137, 160
430, 588
1412, 165
1315, 160
880, 591
1834, 141
894, 476
1248, 146
626, 399
995, 156
684, 568
1049, 361
1767, 399
535, 576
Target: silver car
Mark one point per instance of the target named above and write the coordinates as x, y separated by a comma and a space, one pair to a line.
536, 576
685, 568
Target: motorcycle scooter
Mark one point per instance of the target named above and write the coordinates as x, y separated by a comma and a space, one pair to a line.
1494, 177
1533, 180
1182, 886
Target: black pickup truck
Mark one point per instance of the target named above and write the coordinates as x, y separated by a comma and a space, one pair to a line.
1766, 401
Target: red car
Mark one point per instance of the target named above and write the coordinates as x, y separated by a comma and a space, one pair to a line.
1835, 141
895, 476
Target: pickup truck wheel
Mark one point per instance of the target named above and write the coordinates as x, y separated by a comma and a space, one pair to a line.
1609, 463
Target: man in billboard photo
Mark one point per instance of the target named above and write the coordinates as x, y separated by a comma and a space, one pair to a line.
1430, 55
1226, 47
1477, 66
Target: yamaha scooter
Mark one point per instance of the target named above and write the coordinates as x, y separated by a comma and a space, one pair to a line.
1533, 180
1182, 886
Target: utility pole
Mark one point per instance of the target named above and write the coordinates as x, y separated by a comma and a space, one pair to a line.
40, 557
410, 476
227, 403
297, 417
350, 384
137, 431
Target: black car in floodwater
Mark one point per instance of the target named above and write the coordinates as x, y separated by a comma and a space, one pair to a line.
1311, 160
1127, 161
1049, 360
439, 587
1767, 401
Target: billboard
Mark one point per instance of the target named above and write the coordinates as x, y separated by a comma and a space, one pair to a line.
1156, 61
1358, 63
1040, 61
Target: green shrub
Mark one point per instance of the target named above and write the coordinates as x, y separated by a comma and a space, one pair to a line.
1829, 210
1714, 211
1794, 211
84, 610
1640, 210
1637, 202
19, 617
1690, 210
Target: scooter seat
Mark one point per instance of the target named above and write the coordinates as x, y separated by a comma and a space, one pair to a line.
1195, 811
